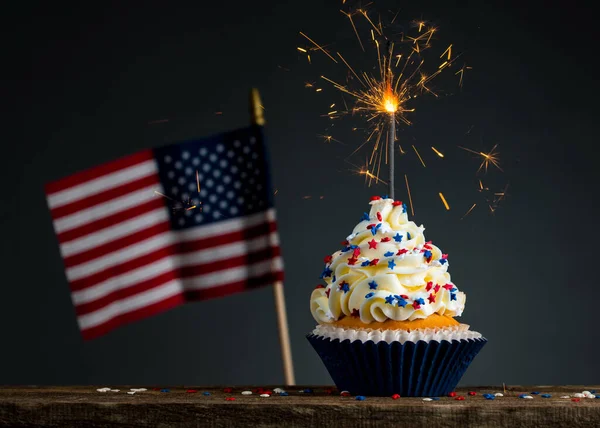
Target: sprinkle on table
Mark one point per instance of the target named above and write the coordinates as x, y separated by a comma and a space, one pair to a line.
227, 390
360, 397
229, 398
191, 391
459, 398
206, 393
546, 395
472, 393
246, 392
452, 394
164, 390
265, 395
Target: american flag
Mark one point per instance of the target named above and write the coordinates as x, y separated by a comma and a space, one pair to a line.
129, 254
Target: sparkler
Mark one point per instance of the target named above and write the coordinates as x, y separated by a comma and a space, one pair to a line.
384, 97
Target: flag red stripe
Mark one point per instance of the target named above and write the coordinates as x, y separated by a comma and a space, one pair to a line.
98, 171
187, 271
117, 244
154, 256
138, 314
234, 287
104, 196
227, 238
110, 220
231, 262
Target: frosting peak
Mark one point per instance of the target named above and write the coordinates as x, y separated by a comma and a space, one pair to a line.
386, 270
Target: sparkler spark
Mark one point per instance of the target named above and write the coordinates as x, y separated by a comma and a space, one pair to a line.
183, 205
444, 201
469, 211
437, 152
491, 157
420, 158
412, 210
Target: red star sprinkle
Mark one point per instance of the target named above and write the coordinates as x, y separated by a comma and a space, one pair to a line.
429, 286
452, 394
378, 216
436, 288
396, 203
356, 252
444, 256
374, 262
472, 393
319, 286
404, 296
373, 244
371, 226
375, 198
328, 259
156, 389
459, 398
386, 239
327, 292
191, 391
416, 306
344, 242
230, 398
401, 251
227, 390
448, 286
352, 261
345, 394
395, 396
576, 399
355, 313
431, 298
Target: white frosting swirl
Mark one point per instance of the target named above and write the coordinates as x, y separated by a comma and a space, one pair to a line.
457, 332
386, 271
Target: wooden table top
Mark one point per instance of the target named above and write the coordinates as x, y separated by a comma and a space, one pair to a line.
320, 406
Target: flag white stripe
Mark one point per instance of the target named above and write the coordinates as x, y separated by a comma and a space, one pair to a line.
222, 277
165, 239
174, 287
130, 304
112, 233
169, 263
88, 215
101, 184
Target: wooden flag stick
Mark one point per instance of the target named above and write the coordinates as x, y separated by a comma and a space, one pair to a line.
257, 118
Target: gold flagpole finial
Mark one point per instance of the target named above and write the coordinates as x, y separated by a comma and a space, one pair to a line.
256, 108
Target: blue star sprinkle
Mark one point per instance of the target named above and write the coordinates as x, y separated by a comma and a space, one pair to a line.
326, 273
435, 398
408, 236
389, 300
389, 254
398, 237
373, 285
443, 261
366, 217
283, 394
206, 393
546, 396
385, 197
489, 396
345, 249
333, 279
535, 393
404, 208
165, 390
391, 264
344, 287
365, 263
353, 246
401, 302
522, 395
427, 254
452, 296
360, 397
368, 296
454, 290
308, 391
420, 301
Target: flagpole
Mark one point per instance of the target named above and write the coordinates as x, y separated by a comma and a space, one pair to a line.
257, 118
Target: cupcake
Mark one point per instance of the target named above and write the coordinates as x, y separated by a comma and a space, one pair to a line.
386, 311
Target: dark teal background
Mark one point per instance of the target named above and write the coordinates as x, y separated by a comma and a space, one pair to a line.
89, 83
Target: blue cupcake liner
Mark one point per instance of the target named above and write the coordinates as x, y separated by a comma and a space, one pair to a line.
411, 369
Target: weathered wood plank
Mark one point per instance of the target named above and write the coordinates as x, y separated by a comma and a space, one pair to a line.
84, 406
